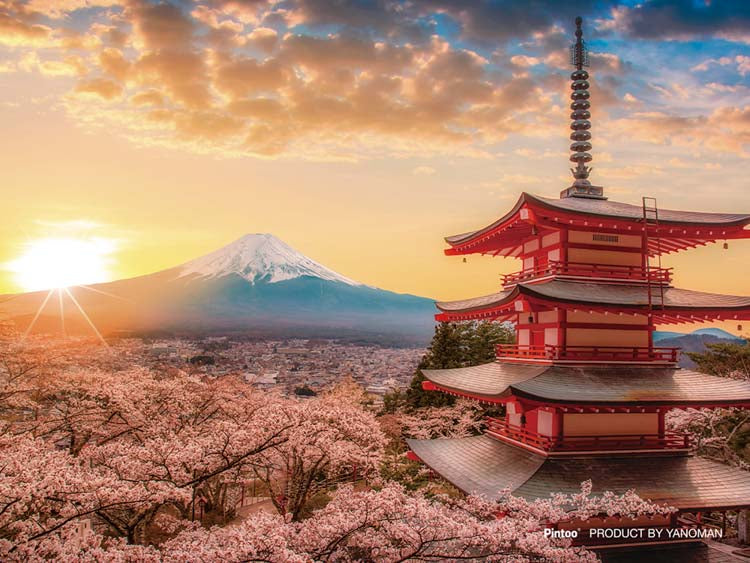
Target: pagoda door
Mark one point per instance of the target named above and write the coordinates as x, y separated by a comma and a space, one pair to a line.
537, 341
542, 262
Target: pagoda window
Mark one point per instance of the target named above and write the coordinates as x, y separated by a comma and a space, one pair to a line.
552, 336
603, 248
610, 424
603, 337
609, 257
598, 237
523, 337
531, 246
550, 239
546, 423
514, 414
606, 239
548, 316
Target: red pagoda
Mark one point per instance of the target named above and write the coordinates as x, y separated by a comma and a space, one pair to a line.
585, 389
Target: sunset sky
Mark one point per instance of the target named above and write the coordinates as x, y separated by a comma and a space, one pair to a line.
360, 133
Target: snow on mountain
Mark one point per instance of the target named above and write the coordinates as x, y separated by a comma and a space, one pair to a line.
260, 257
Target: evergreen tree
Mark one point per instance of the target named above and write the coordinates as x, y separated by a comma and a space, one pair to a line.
456, 345
724, 359
730, 426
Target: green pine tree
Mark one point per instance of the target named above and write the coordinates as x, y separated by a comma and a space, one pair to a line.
724, 359
456, 345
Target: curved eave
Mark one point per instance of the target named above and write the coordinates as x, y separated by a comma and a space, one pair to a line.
485, 466
478, 465
572, 387
489, 382
463, 238
680, 305
678, 230
484, 302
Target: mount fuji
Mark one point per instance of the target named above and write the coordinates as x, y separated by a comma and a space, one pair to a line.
260, 258
258, 285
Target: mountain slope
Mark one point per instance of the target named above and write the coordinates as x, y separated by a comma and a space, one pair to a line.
695, 341
719, 333
257, 284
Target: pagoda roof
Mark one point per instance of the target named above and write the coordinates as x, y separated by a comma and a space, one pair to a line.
601, 295
592, 385
692, 552
553, 212
608, 208
486, 466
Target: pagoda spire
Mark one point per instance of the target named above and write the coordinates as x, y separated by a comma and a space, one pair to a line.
581, 136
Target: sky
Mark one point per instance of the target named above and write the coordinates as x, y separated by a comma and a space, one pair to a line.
359, 132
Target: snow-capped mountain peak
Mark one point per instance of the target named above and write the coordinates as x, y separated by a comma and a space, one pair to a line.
260, 257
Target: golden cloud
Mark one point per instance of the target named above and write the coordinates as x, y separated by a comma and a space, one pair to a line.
231, 77
102, 87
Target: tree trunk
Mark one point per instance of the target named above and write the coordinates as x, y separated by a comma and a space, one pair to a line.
743, 526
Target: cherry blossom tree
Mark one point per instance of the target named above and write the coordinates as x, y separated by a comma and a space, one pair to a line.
98, 452
332, 436
393, 525
159, 440
464, 418
43, 491
712, 431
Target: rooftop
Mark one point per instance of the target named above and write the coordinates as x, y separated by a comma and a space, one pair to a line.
483, 465
678, 229
599, 295
610, 385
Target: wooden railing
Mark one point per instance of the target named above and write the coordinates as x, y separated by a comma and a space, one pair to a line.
501, 427
588, 353
519, 351
667, 441
586, 270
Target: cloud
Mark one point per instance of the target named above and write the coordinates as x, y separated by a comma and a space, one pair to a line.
161, 26
423, 171
246, 76
509, 180
113, 63
684, 19
182, 74
15, 32
741, 63
725, 129
102, 87
60, 8
147, 98
263, 38
345, 80
524, 61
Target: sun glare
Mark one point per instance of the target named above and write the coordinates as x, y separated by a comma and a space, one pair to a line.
50, 263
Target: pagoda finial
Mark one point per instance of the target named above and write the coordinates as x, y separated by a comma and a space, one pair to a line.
581, 136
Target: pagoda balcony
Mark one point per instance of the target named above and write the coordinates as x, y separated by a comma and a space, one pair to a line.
501, 429
586, 354
598, 272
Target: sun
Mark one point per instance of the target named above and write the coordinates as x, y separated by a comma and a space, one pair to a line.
50, 263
